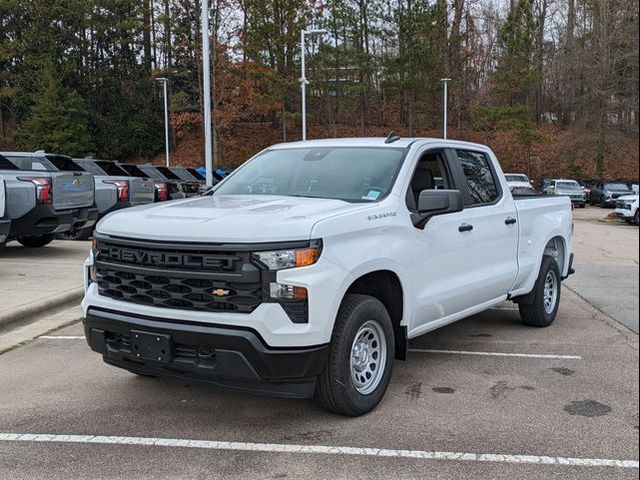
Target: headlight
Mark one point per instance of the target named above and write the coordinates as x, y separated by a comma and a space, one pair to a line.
293, 258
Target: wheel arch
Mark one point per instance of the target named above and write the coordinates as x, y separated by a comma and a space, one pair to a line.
386, 286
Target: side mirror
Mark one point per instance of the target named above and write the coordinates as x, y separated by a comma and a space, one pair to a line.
436, 202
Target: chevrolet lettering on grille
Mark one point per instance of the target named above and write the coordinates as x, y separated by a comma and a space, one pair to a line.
161, 259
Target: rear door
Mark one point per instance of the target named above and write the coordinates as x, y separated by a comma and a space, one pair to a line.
491, 212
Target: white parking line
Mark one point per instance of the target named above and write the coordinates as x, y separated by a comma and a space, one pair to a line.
320, 449
62, 337
498, 354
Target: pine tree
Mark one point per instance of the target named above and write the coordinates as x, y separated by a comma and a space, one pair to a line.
58, 121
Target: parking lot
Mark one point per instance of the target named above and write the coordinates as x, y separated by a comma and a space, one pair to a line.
486, 397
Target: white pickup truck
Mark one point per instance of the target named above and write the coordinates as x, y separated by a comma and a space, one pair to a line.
309, 269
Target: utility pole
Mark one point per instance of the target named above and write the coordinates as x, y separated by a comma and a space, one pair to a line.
165, 81
303, 79
446, 103
206, 87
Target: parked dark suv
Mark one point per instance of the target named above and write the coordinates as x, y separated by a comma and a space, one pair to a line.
606, 193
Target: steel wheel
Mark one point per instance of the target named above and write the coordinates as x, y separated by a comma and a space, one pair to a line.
368, 357
550, 291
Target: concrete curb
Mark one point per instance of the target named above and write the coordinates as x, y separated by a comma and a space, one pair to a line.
49, 305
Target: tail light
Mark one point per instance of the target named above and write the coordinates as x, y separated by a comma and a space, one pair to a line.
123, 189
43, 189
162, 192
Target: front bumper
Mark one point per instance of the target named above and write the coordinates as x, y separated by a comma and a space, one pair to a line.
236, 358
44, 220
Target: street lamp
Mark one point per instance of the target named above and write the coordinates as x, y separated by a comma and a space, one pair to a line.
446, 103
206, 87
303, 79
165, 81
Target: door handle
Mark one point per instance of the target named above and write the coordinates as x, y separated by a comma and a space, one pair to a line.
510, 221
465, 227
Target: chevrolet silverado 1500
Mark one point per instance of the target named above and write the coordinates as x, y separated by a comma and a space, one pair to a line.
310, 268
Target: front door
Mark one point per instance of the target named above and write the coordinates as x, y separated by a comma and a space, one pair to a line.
444, 250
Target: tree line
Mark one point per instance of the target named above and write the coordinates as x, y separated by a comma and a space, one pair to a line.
78, 76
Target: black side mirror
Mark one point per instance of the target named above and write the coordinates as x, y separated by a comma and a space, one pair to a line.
436, 202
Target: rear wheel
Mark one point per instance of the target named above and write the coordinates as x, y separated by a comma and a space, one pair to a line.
76, 234
36, 241
543, 309
636, 217
361, 356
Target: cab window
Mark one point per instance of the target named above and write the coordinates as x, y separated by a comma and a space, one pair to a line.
430, 174
481, 181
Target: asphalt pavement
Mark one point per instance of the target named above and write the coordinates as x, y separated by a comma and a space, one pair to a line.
606, 264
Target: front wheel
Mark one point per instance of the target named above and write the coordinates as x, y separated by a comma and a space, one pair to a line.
543, 309
636, 217
360, 360
36, 241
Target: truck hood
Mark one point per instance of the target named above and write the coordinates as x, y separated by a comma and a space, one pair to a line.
226, 218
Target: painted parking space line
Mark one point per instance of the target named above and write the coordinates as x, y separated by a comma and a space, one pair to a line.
320, 449
62, 337
498, 354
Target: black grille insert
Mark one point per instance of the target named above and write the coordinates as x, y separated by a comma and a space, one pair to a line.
179, 293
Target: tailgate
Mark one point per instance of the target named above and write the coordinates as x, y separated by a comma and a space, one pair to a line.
2, 200
72, 189
141, 191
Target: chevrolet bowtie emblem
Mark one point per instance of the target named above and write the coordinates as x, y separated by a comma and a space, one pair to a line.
219, 292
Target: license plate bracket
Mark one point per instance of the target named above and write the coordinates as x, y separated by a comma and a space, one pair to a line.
156, 347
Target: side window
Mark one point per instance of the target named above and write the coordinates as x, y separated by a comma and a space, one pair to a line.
430, 174
483, 187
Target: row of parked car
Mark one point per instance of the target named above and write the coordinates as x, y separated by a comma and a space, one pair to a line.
44, 195
619, 194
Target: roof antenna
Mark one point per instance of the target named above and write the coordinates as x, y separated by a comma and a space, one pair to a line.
393, 137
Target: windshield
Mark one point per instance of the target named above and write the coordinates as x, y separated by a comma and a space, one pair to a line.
517, 178
616, 186
568, 186
352, 174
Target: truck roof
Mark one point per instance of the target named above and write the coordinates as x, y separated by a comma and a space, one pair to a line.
374, 142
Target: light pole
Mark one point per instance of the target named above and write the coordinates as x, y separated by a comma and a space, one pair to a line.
206, 87
165, 81
303, 79
446, 103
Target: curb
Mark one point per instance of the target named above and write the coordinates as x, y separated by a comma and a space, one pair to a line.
50, 305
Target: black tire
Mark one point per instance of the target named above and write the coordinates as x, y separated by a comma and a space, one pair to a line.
603, 202
591, 201
636, 217
76, 234
536, 314
36, 241
336, 389
2, 245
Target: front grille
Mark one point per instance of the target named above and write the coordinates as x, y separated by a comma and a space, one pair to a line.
165, 291
186, 278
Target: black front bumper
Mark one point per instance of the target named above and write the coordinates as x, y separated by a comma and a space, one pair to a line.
5, 226
44, 220
234, 358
